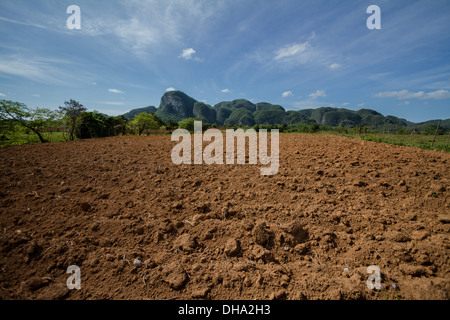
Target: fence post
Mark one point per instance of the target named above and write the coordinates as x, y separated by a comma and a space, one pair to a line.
448, 138
435, 133
412, 132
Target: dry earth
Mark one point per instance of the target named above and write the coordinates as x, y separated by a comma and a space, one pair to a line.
335, 207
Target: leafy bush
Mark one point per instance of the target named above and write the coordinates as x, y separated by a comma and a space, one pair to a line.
145, 122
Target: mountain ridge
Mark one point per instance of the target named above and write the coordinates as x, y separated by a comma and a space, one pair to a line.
177, 105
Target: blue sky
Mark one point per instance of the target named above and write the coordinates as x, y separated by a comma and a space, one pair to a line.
299, 53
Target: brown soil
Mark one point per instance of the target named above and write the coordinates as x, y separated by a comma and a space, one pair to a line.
335, 207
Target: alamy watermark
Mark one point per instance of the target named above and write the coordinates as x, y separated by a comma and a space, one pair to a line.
74, 21
374, 280
74, 281
213, 153
374, 21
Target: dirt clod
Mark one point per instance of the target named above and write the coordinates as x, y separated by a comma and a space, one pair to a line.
186, 243
175, 275
261, 233
232, 247
85, 206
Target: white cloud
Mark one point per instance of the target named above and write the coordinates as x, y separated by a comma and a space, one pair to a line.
171, 89
225, 90
405, 94
188, 54
150, 25
361, 105
36, 95
345, 104
287, 94
291, 50
2, 95
136, 34
115, 91
334, 66
317, 94
438, 94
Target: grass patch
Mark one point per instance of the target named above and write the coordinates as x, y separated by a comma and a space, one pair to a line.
407, 140
16, 138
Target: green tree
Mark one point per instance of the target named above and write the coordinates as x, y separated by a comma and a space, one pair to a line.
187, 124
93, 125
33, 119
314, 128
72, 112
145, 121
119, 125
171, 125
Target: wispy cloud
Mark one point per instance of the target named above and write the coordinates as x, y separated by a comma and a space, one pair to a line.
170, 89
44, 70
113, 103
334, 66
152, 24
291, 50
317, 94
309, 104
29, 24
225, 90
2, 95
115, 91
135, 34
406, 94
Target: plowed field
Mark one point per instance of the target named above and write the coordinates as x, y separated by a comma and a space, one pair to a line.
336, 207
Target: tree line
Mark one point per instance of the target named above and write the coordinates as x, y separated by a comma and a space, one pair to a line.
76, 121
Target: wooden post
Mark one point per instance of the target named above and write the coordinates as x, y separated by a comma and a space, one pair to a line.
412, 132
435, 133
448, 138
